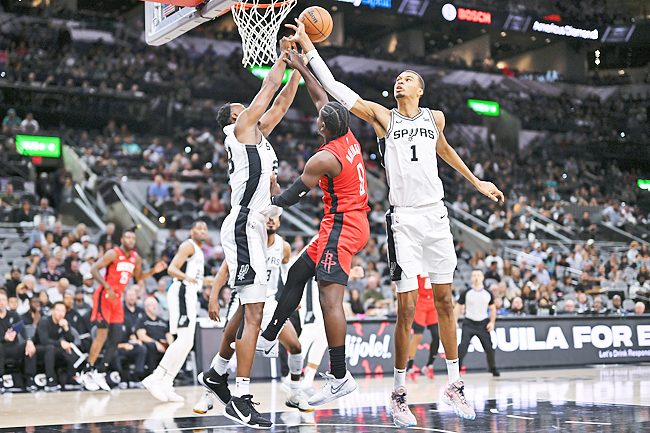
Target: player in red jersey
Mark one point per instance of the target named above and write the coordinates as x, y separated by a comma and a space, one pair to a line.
339, 169
426, 316
121, 264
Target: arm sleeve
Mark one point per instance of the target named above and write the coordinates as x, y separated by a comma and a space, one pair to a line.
291, 195
342, 93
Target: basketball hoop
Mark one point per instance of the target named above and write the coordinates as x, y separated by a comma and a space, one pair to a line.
258, 25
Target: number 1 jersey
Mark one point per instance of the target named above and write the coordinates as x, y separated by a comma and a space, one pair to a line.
408, 153
349, 190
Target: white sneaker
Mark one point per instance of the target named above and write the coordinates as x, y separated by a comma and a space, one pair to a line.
266, 348
203, 405
155, 388
88, 382
100, 380
171, 394
309, 391
333, 388
299, 401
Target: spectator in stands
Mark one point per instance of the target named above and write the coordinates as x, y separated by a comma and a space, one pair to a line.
29, 125
356, 304
129, 147
584, 303
11, 123
81, 304
459, 204
598, 306
88, 248
517, 307
11, 347
498, 305
161, 296
569, 308
224, 297
494, 257
24, 213
80, 323
617, 308
584, 285
574, 260
214, 207
55, 294
132, 311
16, 279
75, 252
109, 235
157, 191
44, 210
46, 305
462, 253
38, 234
543, 277
8, 199
73, 275
53, 345
33, 315
612, 213
50, 275
58, 232
639, 308
88, 262
204, 299
633, 251
492, 272
538, 252
478, 261
153, 332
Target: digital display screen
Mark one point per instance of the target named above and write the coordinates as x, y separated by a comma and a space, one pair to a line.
29, 145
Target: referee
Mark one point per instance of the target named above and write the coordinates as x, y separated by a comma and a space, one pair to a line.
477, 301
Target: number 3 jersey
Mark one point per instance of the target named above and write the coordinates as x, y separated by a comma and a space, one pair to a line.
408, 153
118, 273
349, 190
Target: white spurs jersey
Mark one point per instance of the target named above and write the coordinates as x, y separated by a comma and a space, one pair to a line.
249, 168
274, 256
408, 153
194, 266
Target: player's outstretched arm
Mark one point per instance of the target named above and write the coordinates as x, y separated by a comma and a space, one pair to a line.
104, 261
252, 115
281, 104
450, 156
139, 275
378, 116
319, 165
184, 252
297, 62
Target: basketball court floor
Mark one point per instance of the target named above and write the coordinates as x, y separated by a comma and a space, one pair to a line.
597, 399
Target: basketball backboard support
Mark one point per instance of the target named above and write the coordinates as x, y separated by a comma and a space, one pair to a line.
164, 22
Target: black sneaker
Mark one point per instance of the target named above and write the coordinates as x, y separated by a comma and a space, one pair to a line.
216, 384
495, 372
241, 411
52, 386
31, 386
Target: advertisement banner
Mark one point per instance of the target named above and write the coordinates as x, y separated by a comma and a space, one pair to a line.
560, 341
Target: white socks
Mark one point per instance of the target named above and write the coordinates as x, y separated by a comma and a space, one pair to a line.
453, 370
400, 378
242, 386
294, 387
220, 364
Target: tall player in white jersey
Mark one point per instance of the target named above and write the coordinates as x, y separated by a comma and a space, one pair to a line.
187, 268
420, 240
215, 379
251, 161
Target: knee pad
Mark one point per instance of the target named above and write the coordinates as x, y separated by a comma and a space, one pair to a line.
295, 363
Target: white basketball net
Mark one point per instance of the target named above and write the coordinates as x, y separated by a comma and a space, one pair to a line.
258, 27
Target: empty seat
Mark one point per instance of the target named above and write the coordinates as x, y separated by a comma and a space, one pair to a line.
22, 247
628, 305
10, 255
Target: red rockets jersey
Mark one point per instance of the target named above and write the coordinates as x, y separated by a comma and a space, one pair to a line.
119, 273
349, 190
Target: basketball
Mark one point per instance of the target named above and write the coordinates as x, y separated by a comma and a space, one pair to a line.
318, 23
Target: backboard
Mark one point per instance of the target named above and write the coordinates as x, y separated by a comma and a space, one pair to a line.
164, 22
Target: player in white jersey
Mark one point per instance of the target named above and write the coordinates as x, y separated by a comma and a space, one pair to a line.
187, 268
251, 161
215, 379
420, 240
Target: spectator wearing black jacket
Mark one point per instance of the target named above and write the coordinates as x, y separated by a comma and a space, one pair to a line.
53, 342
80, 323
10, 286
12, 347
153, 332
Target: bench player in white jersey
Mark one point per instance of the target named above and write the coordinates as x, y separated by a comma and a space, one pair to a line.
187, 269
420, 240
215, 379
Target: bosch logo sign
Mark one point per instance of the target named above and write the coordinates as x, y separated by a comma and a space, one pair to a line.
450, 13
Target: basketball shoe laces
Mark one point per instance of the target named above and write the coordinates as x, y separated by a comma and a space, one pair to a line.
461, 393
401, 402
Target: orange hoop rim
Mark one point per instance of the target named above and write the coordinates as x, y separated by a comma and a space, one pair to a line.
244, 5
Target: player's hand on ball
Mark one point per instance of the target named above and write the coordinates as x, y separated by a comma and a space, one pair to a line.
490, 190
213, 310
300, 37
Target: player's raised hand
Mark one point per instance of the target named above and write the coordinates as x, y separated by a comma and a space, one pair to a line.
490, 190
300, 37
286, 44
159, 267
294, 60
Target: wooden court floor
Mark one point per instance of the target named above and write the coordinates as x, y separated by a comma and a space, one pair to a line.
595, 399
